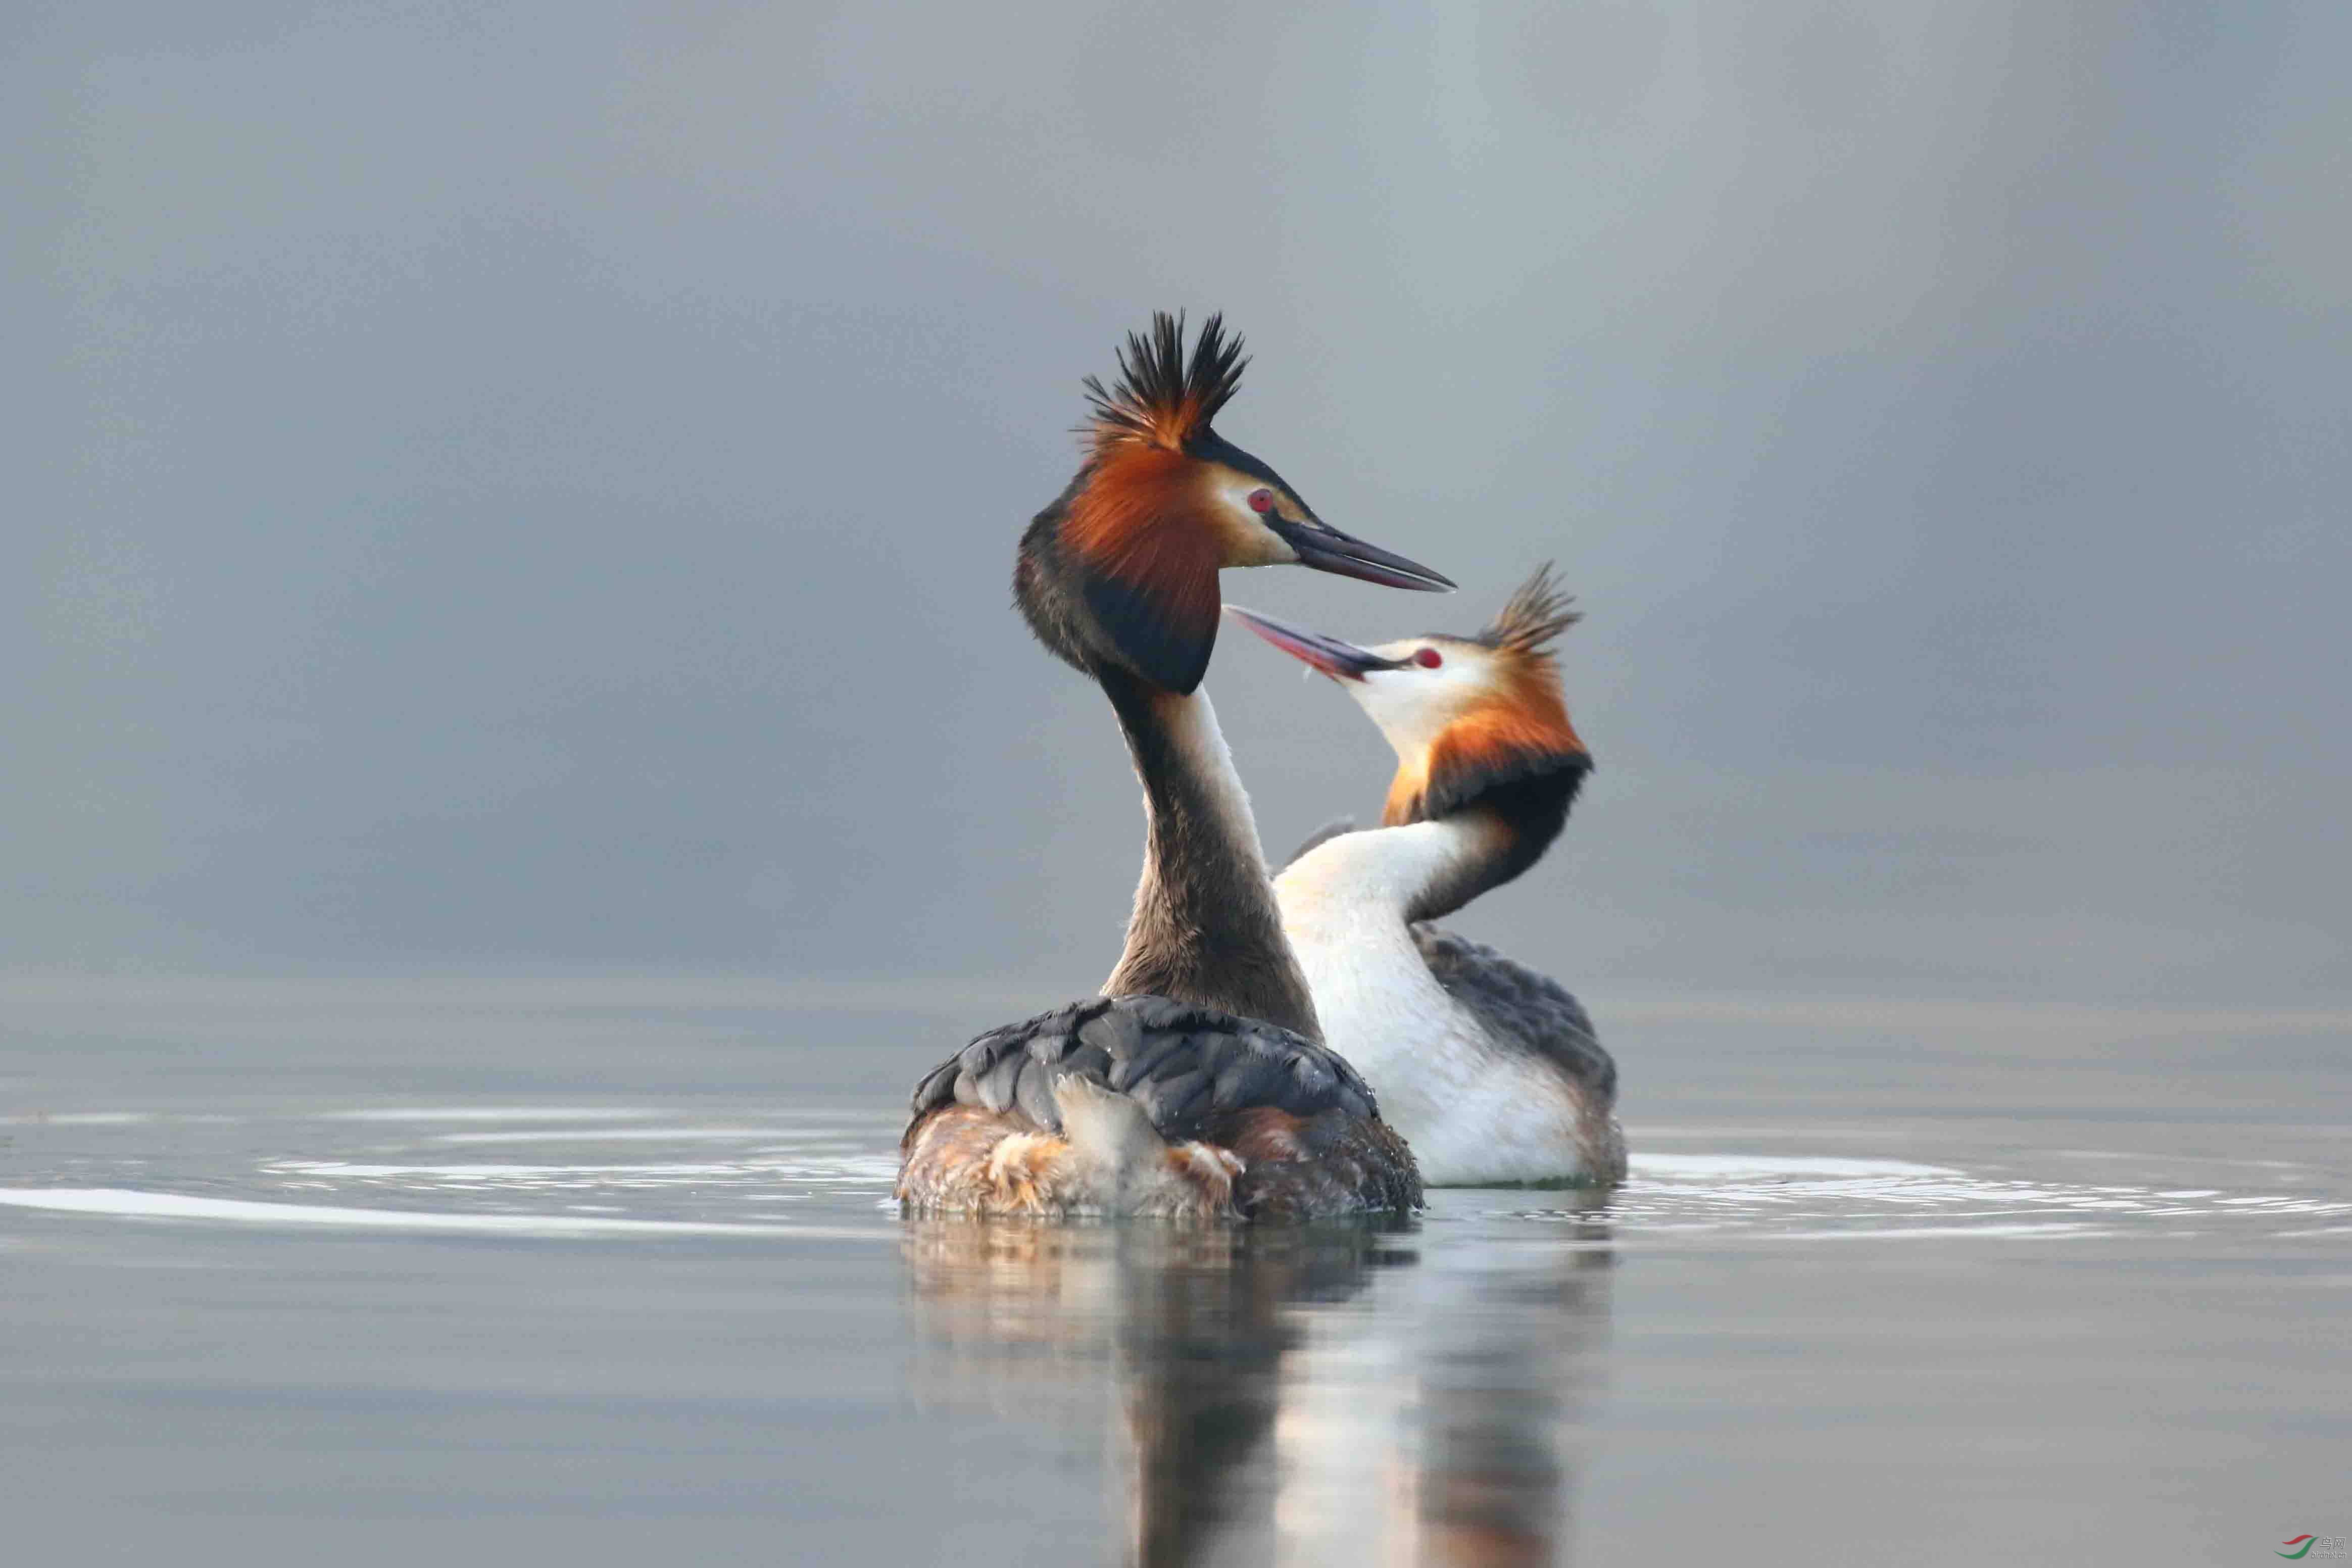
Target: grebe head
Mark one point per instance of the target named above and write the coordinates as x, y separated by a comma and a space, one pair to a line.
1122, 571
1463, 714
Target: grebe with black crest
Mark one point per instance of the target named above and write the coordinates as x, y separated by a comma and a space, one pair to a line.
1491, 1071
1196, 1087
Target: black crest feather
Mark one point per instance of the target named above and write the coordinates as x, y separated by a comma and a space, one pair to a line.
1162, 397
1534, 618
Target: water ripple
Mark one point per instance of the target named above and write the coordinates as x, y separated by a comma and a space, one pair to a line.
1814, 1198
611, 1171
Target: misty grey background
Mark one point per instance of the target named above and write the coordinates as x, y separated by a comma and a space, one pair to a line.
531, 488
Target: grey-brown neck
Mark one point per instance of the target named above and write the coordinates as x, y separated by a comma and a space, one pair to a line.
1206, 929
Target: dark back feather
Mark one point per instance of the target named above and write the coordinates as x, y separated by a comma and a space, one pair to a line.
1517, 1004
1183, 1064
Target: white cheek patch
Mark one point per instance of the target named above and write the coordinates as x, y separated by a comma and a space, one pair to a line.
1413, 705
1251, 542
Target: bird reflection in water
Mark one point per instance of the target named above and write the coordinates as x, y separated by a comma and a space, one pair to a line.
1292, 1395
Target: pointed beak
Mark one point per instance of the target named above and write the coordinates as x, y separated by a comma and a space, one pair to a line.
1327, 549
1339, 660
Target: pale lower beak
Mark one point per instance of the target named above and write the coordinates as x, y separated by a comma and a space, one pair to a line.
1339, 660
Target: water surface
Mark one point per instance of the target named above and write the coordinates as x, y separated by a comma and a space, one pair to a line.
602, 1272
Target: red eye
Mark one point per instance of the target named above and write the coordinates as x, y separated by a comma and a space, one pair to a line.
1260, 501
1428, 658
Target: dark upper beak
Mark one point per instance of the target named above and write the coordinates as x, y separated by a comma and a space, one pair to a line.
1328, 549
1341, 660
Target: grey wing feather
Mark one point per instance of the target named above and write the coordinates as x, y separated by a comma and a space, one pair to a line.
1178, 1099
1181, 1063
1517, 1004
1157, 1053
1035, 1094
1319, 838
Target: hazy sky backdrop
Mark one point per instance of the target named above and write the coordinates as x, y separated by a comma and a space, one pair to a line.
531, 487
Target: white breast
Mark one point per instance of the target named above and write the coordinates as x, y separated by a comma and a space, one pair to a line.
1474, 1110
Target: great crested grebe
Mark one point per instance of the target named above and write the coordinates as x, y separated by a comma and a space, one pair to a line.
1194, 1087
1490, 1070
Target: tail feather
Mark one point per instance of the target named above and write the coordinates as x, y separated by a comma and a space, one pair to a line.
1126, 1167
1107, 1130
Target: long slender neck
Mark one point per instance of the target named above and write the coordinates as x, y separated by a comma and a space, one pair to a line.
1427, 870
1206, 929
1390, 877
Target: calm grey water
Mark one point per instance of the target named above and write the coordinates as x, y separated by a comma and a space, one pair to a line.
604, 1272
